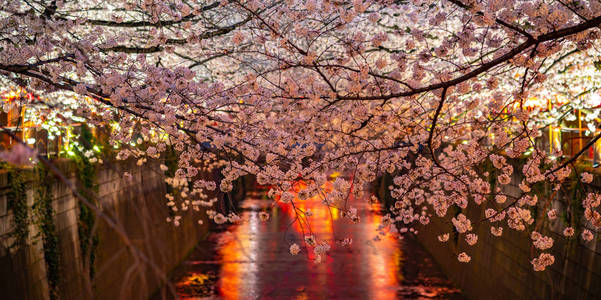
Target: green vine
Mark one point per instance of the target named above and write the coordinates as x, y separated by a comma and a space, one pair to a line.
45, 221
86, 172
17, 202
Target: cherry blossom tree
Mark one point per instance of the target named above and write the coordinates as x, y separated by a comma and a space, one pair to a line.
428, 91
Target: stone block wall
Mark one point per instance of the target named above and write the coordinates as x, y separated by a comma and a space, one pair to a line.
500, 267
137, 205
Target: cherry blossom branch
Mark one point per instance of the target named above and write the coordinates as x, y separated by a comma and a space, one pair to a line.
577, 155
592, 23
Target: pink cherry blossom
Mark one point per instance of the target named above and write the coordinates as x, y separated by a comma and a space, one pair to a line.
568, 232
455, 106
587, 235
463, 257
471, 239
443, 237
294, 249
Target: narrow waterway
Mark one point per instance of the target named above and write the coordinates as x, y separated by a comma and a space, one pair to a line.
251, 260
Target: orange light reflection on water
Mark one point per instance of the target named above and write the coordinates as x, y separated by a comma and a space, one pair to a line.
239, 269
383, 258
385, 266
320, 223
371, 269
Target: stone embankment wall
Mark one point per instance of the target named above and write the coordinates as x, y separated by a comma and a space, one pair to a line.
137, 205
500, 267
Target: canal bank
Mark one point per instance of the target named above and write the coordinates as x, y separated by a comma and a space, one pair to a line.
500, 267
33, 268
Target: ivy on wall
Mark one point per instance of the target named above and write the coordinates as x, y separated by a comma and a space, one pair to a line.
42, 207
17, 202
86, 174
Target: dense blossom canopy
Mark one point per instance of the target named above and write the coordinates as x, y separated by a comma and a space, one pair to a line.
428, 91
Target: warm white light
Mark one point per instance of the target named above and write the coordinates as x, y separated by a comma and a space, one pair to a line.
594, 100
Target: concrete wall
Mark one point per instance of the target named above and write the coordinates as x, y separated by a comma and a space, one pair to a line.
500, 267
137, 205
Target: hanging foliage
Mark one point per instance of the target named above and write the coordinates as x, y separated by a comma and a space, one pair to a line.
86, 175
17, 202
45, 221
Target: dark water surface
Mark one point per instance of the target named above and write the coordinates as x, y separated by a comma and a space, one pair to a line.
251, 260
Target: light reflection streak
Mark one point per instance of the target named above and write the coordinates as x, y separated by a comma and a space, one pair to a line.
239, 273
383, 257
384, 262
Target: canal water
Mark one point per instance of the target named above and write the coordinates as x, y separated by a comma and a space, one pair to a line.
250, 260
